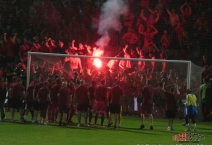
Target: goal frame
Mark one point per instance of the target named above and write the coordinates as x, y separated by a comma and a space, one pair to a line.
109, 58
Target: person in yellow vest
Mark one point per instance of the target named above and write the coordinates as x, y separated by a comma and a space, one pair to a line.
203, 88
191, 105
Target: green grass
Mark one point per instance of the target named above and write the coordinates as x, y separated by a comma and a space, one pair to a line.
33, 134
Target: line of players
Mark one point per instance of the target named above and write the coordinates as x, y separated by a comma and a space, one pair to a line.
64, 97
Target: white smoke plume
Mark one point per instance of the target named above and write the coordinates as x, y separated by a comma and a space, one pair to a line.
111, 12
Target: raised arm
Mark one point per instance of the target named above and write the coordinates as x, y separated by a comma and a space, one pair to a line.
17, 10
42, 33
155, 46
72, 44
67, 59
89, 50
24, 34
141, 30
80, 64
164, 90
206, 27
155, 30
5, 37
177, 89
125, 49
142, 15
157, 18
168, 12
189, 8
138, 52
121, 65
181, 8
150, 10
64, 3
14, 38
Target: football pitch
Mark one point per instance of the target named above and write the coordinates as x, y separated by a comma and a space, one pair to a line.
52, 134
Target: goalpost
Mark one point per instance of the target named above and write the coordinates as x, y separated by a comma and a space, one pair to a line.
188, 63
185, 71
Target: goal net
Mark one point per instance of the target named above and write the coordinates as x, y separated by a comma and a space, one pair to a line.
133, 72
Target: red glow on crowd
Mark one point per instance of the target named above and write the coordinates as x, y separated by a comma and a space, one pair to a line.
97, 62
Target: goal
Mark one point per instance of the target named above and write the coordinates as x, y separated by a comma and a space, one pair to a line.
179, 73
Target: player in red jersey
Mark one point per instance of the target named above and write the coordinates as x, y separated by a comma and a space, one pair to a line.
91, 91
147, 104
52, 112
14, 80
29, 99
65, 96
36, 103
71, 85
171, 102
83, 100
115, 104
43, 97
17, 96
101, 101
3, 90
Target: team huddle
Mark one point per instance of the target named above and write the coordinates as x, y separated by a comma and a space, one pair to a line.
60, 97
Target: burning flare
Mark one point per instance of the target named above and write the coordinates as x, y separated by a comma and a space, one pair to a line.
97, 62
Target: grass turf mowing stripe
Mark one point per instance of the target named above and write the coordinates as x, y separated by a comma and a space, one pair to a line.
27, 133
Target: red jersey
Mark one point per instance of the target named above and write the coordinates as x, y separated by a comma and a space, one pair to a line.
144, 3
127, 88
164, 42
148, 37
150, 22
180, 32
33, 83
17, 90
65, 96
10, 86
29, 95
82, 96
72, 88
87, 78
100, 94
128, 19
92, 91
186, 18
37, 87
23, 51
148, 94
3, 90
130, 37
54, 91
35, 49
170, 101
10, 51
43, 94
116, 95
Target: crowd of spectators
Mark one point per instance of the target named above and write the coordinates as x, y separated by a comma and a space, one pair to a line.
162, 29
